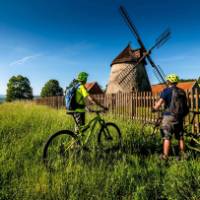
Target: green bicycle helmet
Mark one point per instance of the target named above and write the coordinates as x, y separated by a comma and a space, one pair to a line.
82, 77
172, 78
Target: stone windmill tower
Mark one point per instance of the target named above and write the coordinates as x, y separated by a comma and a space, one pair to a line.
137, 79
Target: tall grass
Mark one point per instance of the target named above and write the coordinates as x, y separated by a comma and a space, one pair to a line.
134, 172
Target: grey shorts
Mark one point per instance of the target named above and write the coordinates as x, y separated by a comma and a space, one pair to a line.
170, 125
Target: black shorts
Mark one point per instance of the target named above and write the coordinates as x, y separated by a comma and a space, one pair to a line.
79, 118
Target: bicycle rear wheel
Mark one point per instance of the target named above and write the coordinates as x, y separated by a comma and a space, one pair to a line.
150, 130
109, 137
61, 149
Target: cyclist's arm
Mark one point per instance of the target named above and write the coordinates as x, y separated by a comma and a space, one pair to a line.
93, 101
158, 104
90, 99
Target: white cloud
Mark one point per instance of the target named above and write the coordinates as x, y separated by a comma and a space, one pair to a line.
24, 60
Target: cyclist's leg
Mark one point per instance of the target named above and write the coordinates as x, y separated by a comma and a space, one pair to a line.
79, 118
178, 130
181, 144
166, 146
166, 132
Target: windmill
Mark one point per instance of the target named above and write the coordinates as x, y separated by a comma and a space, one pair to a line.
126, 62
125, 76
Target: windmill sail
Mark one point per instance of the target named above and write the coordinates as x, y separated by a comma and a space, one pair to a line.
160, 41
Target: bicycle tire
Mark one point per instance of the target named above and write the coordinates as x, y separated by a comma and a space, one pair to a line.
150, 137
149, 130
107, 140
63, 142
192, 141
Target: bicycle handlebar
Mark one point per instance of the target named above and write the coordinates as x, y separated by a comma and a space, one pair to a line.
98, 111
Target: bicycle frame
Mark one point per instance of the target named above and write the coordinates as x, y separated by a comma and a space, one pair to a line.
92, 123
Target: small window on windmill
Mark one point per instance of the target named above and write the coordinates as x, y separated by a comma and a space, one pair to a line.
136, 54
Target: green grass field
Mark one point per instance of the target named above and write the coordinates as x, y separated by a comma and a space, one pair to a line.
133, 172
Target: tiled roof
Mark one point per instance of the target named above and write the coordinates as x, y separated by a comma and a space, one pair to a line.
184, 85
93, 88
88, 86
127, 55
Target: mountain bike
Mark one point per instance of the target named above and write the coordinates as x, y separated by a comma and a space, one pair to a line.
151, 130
63, 146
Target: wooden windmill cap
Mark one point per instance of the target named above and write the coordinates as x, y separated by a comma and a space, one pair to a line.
127, 55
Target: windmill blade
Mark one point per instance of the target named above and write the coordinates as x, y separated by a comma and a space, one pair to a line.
157, 76
156, 69
163, 38
161, 70
131, 25
135, 32
124, 74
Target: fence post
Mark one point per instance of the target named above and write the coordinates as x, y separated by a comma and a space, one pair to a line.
197, 109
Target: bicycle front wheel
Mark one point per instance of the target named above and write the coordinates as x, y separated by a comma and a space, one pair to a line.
60, 149
109, 137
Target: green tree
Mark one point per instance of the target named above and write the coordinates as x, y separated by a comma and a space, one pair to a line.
19, 88
51, 88
186, 80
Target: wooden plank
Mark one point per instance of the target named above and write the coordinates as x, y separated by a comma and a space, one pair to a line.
120, 102
197, 109
117, 104
145, 107
133, 106
140, 106
187, 119
153, 103
124, 106
136, 105
192, 106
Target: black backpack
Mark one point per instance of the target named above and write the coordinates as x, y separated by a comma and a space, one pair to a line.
178, 105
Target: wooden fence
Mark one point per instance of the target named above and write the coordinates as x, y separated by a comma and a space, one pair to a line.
135, 106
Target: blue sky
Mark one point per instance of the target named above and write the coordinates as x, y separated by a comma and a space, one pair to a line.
48, 39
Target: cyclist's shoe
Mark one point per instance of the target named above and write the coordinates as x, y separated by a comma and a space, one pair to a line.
183, 156
163, 157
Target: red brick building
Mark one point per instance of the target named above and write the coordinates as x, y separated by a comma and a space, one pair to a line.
93, 88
